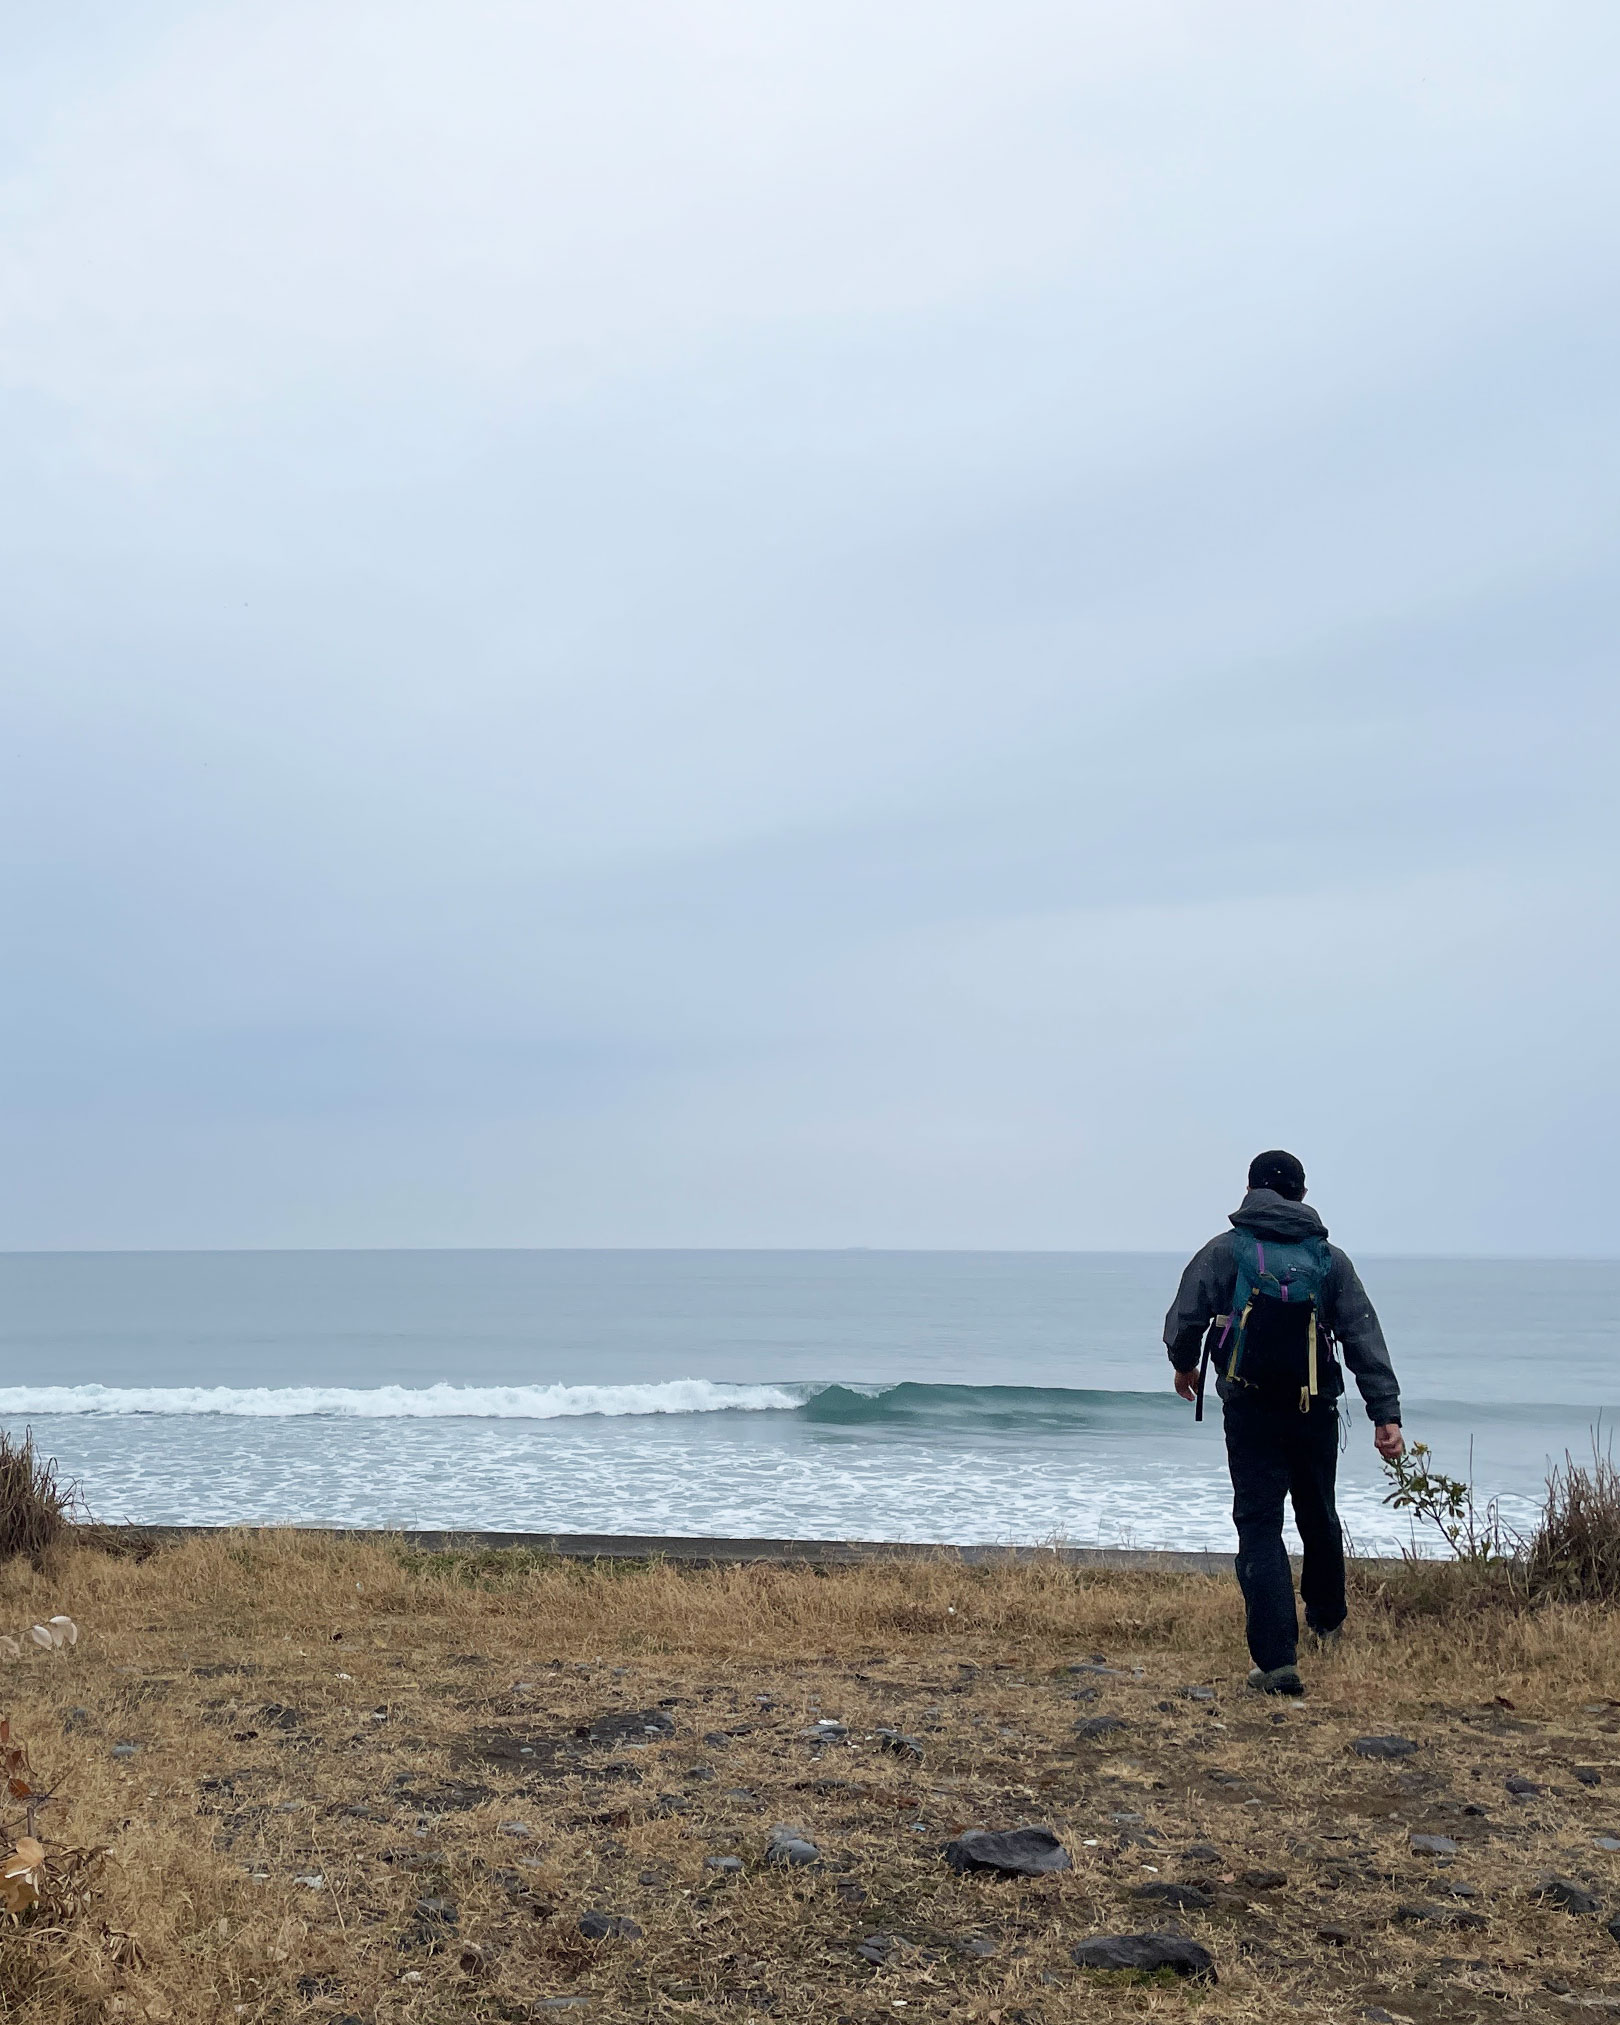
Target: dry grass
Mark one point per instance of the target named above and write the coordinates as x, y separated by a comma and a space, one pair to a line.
305, 1709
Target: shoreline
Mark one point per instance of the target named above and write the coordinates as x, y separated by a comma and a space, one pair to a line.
702, 1551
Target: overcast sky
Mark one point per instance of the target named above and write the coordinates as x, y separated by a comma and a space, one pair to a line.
797, 622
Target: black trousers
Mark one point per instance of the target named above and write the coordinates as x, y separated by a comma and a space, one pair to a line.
1275, 1451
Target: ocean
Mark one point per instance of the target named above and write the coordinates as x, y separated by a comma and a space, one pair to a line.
950, 1396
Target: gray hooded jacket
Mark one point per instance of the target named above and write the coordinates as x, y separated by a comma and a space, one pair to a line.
1210, 1281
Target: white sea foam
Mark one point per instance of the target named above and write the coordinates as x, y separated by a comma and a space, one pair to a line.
401, 1402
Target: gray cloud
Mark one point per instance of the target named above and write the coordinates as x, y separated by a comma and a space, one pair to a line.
711, 625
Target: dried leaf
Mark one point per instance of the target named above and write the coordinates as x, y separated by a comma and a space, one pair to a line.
19, 1789
40, 1636
18, 1894
20, 1876
124, 1948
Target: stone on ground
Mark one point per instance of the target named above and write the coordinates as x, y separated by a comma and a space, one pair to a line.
1014, 1852
1147, 1953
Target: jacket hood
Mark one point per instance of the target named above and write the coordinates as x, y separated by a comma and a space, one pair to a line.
1270, 1215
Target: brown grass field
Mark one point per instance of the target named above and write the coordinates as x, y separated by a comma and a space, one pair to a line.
329, 1736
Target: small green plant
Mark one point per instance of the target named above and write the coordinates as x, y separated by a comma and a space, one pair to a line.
1481, 1538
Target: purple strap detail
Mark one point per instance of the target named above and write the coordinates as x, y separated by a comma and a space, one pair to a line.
1221, 1341
1260, 1248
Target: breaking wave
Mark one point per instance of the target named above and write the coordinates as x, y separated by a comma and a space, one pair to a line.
901, 1408
402, 1402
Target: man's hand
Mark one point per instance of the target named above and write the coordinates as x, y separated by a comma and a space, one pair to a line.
1389, 1441
1187, 1386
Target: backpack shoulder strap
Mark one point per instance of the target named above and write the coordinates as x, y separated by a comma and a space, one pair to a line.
1251, 1263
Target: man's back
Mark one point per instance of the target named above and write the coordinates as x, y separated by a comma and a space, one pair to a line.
1210, 1281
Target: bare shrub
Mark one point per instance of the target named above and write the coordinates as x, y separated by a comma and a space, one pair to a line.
34, 1508
1574, 1554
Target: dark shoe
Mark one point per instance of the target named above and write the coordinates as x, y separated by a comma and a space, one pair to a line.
1326, 1643
1281, 1680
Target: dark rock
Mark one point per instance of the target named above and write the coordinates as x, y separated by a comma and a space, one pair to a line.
1147, 1953
1564, 1891
1375, 2014
1433, 1845
1589, 1775
852, 1893
1014, 1852
601, 1926
717, 1740
729, 1864
125, 1750
1614, 1930
437, 1912
900, 1744
826, 1732
1383, 1747
1183, 1897
1263, 1880
1611, 1843
1521, 1788
475, 1958
979, 1946
1335, 1937
1099, 1726
790, 1846
1201, 1852
1419, 1912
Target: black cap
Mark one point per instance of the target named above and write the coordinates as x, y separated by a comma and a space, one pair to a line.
1280, 1172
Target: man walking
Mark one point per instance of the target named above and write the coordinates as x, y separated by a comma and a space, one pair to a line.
1268, 1302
